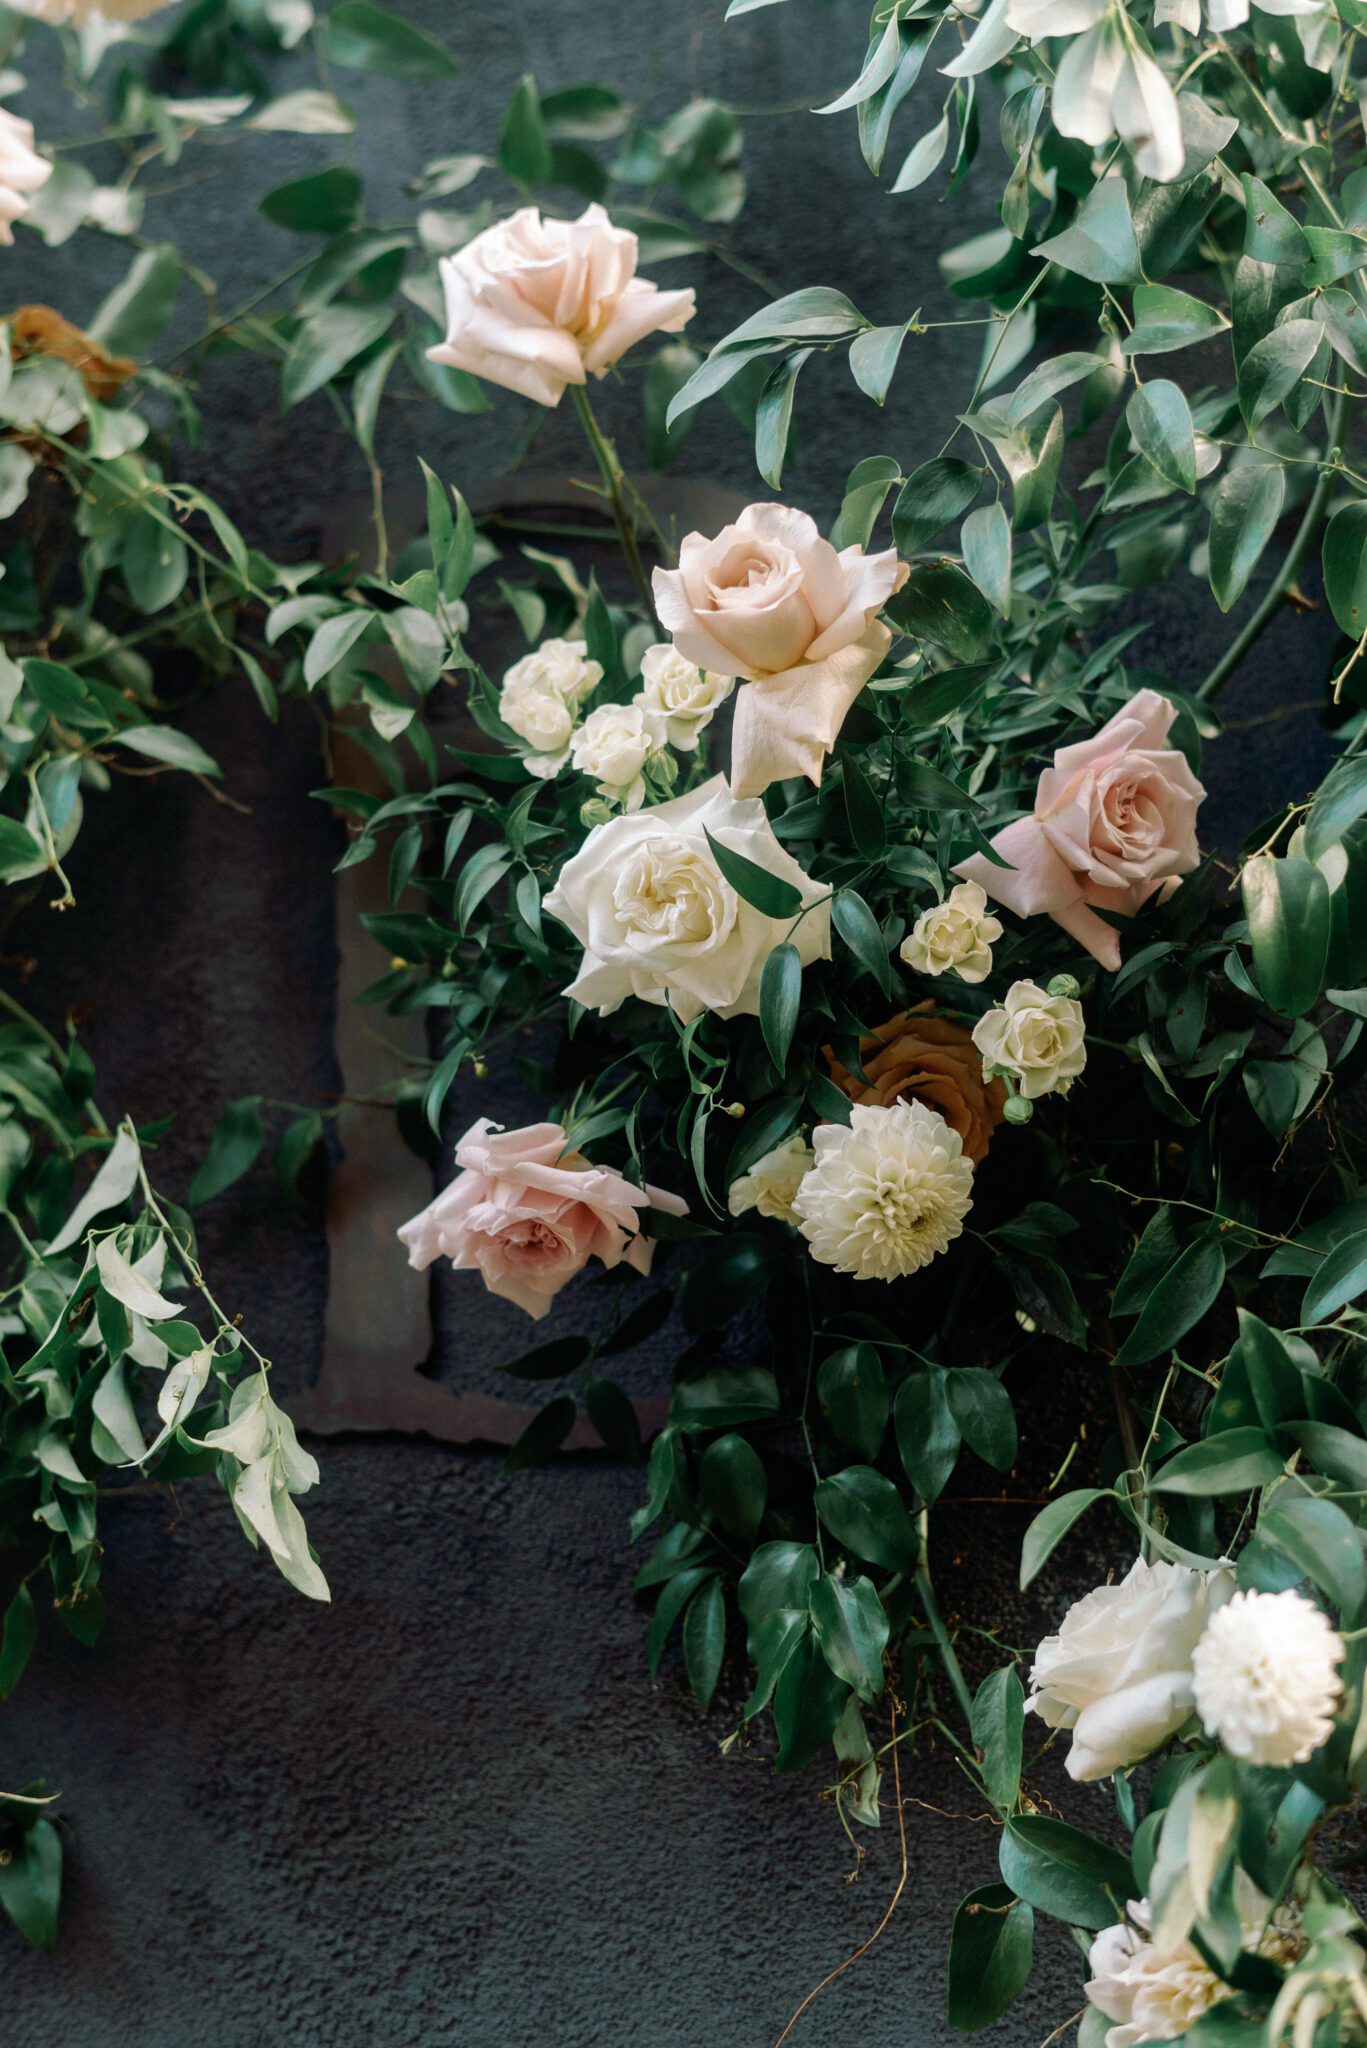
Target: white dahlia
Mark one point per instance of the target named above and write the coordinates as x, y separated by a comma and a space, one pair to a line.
1266, 1679
888, 1191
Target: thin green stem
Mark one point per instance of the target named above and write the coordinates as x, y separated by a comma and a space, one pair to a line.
931, 1609
615, 483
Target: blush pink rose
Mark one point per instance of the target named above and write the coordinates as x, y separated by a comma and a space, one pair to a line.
769, 600
1114, 824
528, 1215
535, 304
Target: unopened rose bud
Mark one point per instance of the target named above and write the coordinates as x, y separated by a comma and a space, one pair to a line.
664, 769
480, 1070
594, 812
735, 1109
1017, 1110
396, 961
1065, 985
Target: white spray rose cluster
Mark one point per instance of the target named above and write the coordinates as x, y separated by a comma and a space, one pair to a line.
954, 937
1037, 1037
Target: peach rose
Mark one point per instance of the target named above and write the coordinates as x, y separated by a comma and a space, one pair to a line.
41, 331
535, 304
769, 600
1114, 823
919, 1057
528, 1215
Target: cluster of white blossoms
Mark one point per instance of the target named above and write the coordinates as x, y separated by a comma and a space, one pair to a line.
1107, 82
770, 1187
542, 701
1133, 1662
22, 171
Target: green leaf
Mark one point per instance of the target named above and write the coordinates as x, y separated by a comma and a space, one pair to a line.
324, 203
133, 315
233, 1150
544, 1434
704, 1641
1273, 1377
20, 853
1243, 516
1061, 1871
1176, 1302
852, 1629
1345, 568
154, 562
1101, 243
873, 359
767, 893
31, 1884
1341, 1278
726, 1398
924, 157
1167, 319
1322, 1541
982, 1408
940, 604
778, 1575
860, 930
732, 1485
163, 743
331, 641
998, 1727
669, 370
1274, 366
991, 1954
1286, 902
1340, 801
927, 1434
985, 539
774, 416
552, 1361
865, 1512
325, 344
363, 37
1271, 234
853, 1394
17, 1639
524, 149
1160, 420
780, 1001
1050, 1526
1232, 1461
808, 1701
1338, 1453
931, 499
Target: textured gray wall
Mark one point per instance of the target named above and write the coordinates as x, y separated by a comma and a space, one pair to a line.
450, 1809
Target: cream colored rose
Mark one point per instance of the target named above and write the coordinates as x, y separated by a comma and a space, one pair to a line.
657, 918
1119, 1671
1039, 1039
22, 171
1157, 1991
770, 601
540, 697
535, 305
954, 937
613, 745
773, 1181
685, 696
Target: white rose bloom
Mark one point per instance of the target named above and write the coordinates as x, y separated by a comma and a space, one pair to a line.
1039, 1039
613, 745
1157, 1993
1267, 1682
22, 171
686, 697
772, 1183
540, 696
888, 1192
954, 937
1152, 1994
658, 919
1119, 1671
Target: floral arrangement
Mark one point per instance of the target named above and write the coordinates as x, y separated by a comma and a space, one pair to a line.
844, 898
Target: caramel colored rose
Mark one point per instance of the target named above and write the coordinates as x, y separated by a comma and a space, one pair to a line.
39, 331
919, 1057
